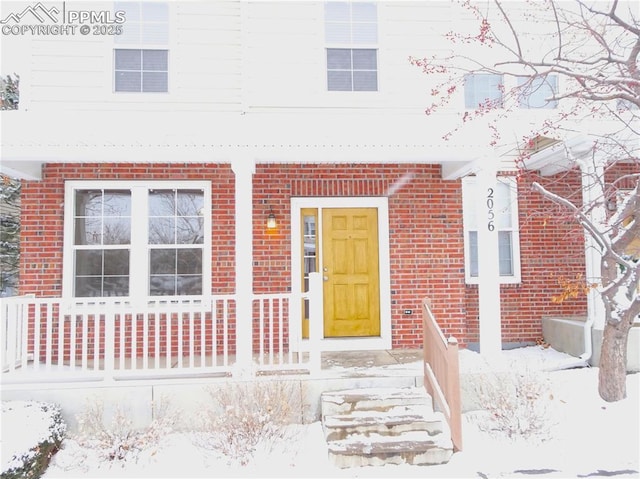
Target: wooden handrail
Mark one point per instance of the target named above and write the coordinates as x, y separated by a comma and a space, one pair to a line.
442, 373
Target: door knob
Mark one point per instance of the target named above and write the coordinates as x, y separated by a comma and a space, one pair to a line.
325, 278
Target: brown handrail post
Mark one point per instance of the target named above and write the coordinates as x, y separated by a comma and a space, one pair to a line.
442, 373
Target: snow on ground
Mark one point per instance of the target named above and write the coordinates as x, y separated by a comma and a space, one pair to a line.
588, 438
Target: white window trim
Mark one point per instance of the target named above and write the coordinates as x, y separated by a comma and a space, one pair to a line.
139, 267
516, 278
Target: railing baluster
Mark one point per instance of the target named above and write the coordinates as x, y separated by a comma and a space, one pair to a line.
37, 331
225, 332
192, 338
145, 340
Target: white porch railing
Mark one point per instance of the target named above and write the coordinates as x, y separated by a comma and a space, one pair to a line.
107, 339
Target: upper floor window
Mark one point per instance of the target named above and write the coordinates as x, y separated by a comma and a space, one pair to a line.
141, 63
147, 23
504, 202
141, 70
138, 239
351, 35
483, 89
536, 92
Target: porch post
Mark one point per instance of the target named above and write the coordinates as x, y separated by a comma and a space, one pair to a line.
243, 169
488, 272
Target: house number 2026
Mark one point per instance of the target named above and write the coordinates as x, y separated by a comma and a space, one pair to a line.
490, 214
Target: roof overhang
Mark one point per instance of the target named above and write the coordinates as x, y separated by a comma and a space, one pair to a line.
31, 139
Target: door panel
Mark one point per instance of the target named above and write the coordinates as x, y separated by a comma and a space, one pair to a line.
351, 272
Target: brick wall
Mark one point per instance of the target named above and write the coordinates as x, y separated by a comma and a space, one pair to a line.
426, 238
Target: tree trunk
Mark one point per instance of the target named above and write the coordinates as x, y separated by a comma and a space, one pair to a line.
612, 377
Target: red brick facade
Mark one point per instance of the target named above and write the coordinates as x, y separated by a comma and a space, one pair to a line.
425, 232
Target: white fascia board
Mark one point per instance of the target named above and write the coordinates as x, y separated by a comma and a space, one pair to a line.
206, 137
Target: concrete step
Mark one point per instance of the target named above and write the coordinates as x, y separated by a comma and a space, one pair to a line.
412, 447
376, 399
376, 426
393, 421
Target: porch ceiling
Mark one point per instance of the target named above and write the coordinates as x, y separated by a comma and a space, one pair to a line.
30, 139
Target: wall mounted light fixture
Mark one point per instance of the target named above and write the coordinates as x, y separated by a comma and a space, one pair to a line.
271, 220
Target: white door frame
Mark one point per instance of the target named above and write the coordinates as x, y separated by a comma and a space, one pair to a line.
382, 205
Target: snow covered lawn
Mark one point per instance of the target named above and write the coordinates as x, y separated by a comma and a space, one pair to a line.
587, 438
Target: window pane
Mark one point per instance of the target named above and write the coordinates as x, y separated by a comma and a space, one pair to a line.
115, 286
190, 231
117, 203
128, 59
505, 253
162, 230
337, 12
116, 262
162, 285
88, 203
89, 262
535, 94
338, 58
155, 82
480, 88
186, 285
503, 205
128, 81
337, 33
88, 231
365, 81
88, 287
154, 60
162, 203
189, 261
473, 253
190, 202
102, 273
162, 261
339, 81
363, 33
364, 12
364, 60
130, 33
116, 231
131, 9
154, 11
310, 226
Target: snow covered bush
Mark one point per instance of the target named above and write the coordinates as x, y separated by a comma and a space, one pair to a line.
517, 403
32, 433
117, 439
250, 417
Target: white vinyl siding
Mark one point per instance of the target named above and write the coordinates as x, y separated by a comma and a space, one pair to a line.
144, 239
483, 89
506, 223
351, 37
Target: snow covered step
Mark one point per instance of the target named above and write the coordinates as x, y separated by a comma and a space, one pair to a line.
393, 421
378, 399
414, 447
375, 426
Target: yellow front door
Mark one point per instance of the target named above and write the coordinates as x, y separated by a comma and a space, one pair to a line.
350, 271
